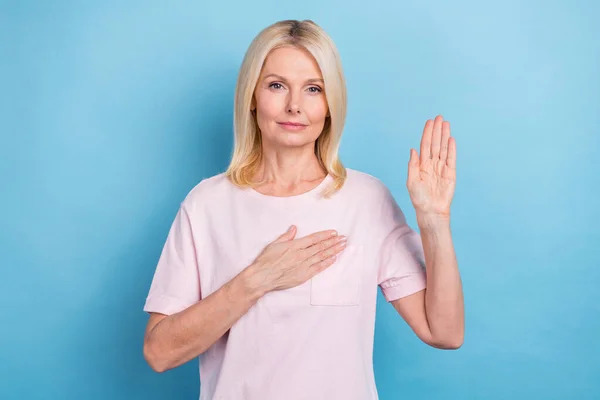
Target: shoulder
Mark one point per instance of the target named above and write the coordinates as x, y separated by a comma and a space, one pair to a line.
206, 190
378, 198
366, 186
358, 184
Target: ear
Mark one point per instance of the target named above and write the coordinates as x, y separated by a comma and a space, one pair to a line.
253, 104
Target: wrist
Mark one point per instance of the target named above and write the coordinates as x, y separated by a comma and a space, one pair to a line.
433, 221
250, 285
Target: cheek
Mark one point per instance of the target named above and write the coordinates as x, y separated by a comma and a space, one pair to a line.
268, 106
316, 110
268, 109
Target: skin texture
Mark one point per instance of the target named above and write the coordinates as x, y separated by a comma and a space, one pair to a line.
435, 314
290, 88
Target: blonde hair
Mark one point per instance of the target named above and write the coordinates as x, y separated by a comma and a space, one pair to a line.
247, 152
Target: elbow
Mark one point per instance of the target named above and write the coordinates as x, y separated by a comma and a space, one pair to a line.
455, 345
154, 358
449, 343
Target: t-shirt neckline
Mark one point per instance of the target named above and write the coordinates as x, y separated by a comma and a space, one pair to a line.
313, 193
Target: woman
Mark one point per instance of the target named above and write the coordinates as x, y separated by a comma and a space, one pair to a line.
270, 269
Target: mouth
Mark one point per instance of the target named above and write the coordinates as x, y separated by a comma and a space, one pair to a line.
292, 126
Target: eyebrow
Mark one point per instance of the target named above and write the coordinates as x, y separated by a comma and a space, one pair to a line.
285, 80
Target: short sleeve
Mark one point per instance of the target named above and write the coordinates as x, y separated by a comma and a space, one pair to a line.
402, 262
176, 282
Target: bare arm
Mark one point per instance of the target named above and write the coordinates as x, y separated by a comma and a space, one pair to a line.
436, 314
175, 339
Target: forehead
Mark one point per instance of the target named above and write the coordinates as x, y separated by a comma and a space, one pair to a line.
291, 62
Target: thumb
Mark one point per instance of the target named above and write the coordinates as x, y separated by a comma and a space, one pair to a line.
287, 235
413, 165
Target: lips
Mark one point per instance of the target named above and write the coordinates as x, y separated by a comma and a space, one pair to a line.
291, 123
292, 126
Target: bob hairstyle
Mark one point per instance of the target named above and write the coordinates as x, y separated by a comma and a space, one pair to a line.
247, 152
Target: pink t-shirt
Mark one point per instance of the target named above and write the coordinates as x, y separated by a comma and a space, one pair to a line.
313, 341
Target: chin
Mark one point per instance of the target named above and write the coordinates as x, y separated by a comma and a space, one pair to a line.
292, 140
295, 142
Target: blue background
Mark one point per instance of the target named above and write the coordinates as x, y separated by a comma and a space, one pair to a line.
110, 112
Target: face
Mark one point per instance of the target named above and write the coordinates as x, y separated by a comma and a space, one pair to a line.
290, 101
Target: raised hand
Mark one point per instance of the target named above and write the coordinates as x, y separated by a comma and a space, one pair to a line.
432, 175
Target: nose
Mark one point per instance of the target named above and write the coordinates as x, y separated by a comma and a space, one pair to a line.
293, 106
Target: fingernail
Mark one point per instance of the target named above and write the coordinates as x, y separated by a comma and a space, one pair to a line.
334, 233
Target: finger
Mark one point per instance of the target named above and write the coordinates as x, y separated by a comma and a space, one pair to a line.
325, 254
413, 165
445, 138
321, 246
436, 139
314, 238
321, 266
287, 235
451, 161
426, 141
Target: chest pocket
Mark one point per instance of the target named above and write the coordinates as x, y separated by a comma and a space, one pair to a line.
340, 283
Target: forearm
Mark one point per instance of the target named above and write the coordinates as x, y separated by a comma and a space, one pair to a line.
185, 335
444, 296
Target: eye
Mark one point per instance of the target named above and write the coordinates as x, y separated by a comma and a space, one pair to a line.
275, 85
315, 89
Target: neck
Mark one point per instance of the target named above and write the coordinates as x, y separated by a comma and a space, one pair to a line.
290, 167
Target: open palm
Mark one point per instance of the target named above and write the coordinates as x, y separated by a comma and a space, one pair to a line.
432, 175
